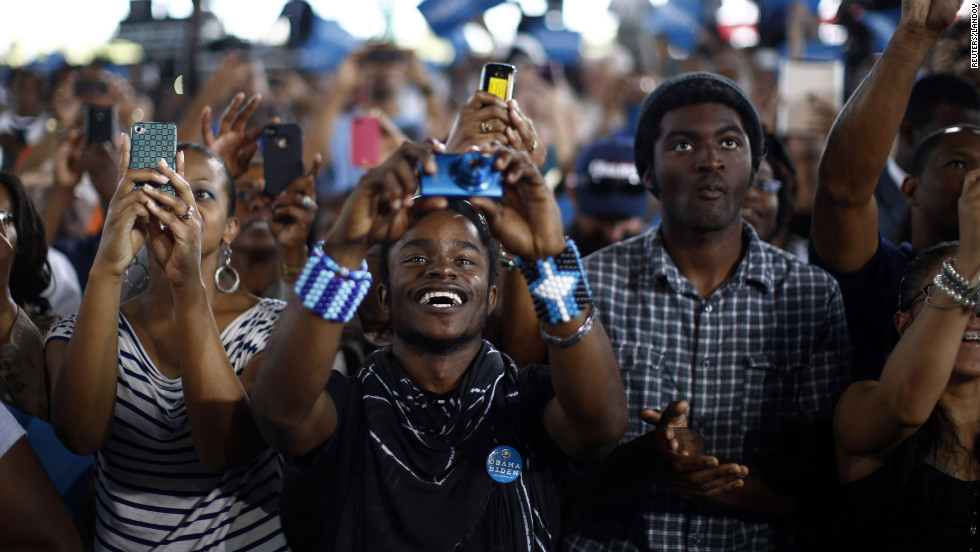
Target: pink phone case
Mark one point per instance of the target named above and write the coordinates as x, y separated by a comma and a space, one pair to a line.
365, 141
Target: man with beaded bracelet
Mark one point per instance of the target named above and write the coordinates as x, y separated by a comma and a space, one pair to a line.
440, 442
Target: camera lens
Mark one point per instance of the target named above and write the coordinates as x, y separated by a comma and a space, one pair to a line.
472, 171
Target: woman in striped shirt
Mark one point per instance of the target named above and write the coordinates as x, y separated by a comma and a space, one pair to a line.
157, 387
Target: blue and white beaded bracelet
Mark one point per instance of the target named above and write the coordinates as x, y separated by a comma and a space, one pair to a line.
558, 285
331, 291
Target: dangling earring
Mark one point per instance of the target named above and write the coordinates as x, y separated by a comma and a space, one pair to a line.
142, 273
226, 265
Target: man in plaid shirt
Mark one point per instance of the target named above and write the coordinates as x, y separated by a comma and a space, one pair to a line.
743, 346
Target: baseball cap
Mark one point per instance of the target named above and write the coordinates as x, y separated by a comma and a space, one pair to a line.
606, 183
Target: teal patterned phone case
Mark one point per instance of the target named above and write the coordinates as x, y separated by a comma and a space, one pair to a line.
151, 142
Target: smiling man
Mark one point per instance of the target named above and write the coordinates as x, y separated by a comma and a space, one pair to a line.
701, 310
439, 442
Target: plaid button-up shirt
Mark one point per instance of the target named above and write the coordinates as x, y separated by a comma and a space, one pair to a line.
766, 352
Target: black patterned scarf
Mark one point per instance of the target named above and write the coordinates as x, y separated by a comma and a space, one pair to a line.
425, 480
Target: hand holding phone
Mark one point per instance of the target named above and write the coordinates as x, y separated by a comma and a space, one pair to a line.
498, 79
150, 143
282, 152
100, 124
365, 141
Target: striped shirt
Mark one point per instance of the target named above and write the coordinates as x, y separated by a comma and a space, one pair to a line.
152, 490
766, 352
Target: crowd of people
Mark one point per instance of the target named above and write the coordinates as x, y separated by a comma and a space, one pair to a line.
673, 327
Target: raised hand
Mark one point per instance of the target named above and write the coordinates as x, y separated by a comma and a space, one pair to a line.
377, 209
127, 217
234, 143
522, 136
294, 211
682, 453
932, 16
484, 119
175, 231
526, 220
968, 255
67, 160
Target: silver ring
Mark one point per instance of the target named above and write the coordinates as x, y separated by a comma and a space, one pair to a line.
307, 204
486, 128
533, 146
188, 214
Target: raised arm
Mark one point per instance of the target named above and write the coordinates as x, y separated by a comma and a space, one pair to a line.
873, 417
291, 405
234, 143
83, 369
216, 401
318, 138
588, 415
845, 217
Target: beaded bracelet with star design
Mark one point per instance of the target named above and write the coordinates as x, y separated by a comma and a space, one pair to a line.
558, 285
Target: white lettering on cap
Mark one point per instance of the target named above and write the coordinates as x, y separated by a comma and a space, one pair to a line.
600, 169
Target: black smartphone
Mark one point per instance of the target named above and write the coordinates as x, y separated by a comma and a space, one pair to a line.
384, 56
100, 124
150, 143
85, 87
282, 153
498, 79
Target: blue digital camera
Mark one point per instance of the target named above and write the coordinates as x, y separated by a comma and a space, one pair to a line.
461, 175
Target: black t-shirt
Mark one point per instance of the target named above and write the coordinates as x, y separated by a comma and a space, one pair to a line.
870, 297
395, 477
925, 511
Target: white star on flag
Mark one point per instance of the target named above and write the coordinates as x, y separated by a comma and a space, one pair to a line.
555, 285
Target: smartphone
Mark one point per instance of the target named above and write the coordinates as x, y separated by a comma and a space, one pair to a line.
365, 141
498, 79
384, 56
150, 143
84, 87
800, 80
100, 124
282, 153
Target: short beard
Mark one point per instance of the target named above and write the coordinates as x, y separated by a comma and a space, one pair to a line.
435, 346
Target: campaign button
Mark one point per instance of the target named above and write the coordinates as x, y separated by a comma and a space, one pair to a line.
504, 464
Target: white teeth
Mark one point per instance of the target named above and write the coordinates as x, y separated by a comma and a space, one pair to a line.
971, 336
430, 296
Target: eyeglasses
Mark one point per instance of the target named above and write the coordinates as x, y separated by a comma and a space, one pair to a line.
769, 186
924, 292
6, 218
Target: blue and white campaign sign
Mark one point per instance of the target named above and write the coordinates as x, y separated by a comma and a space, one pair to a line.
678, 20
444, 15
326, 47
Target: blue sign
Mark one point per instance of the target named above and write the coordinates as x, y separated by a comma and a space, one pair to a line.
504, 464
785, 4
679, 20
326, 47
881, 24
560, 45
444, 15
